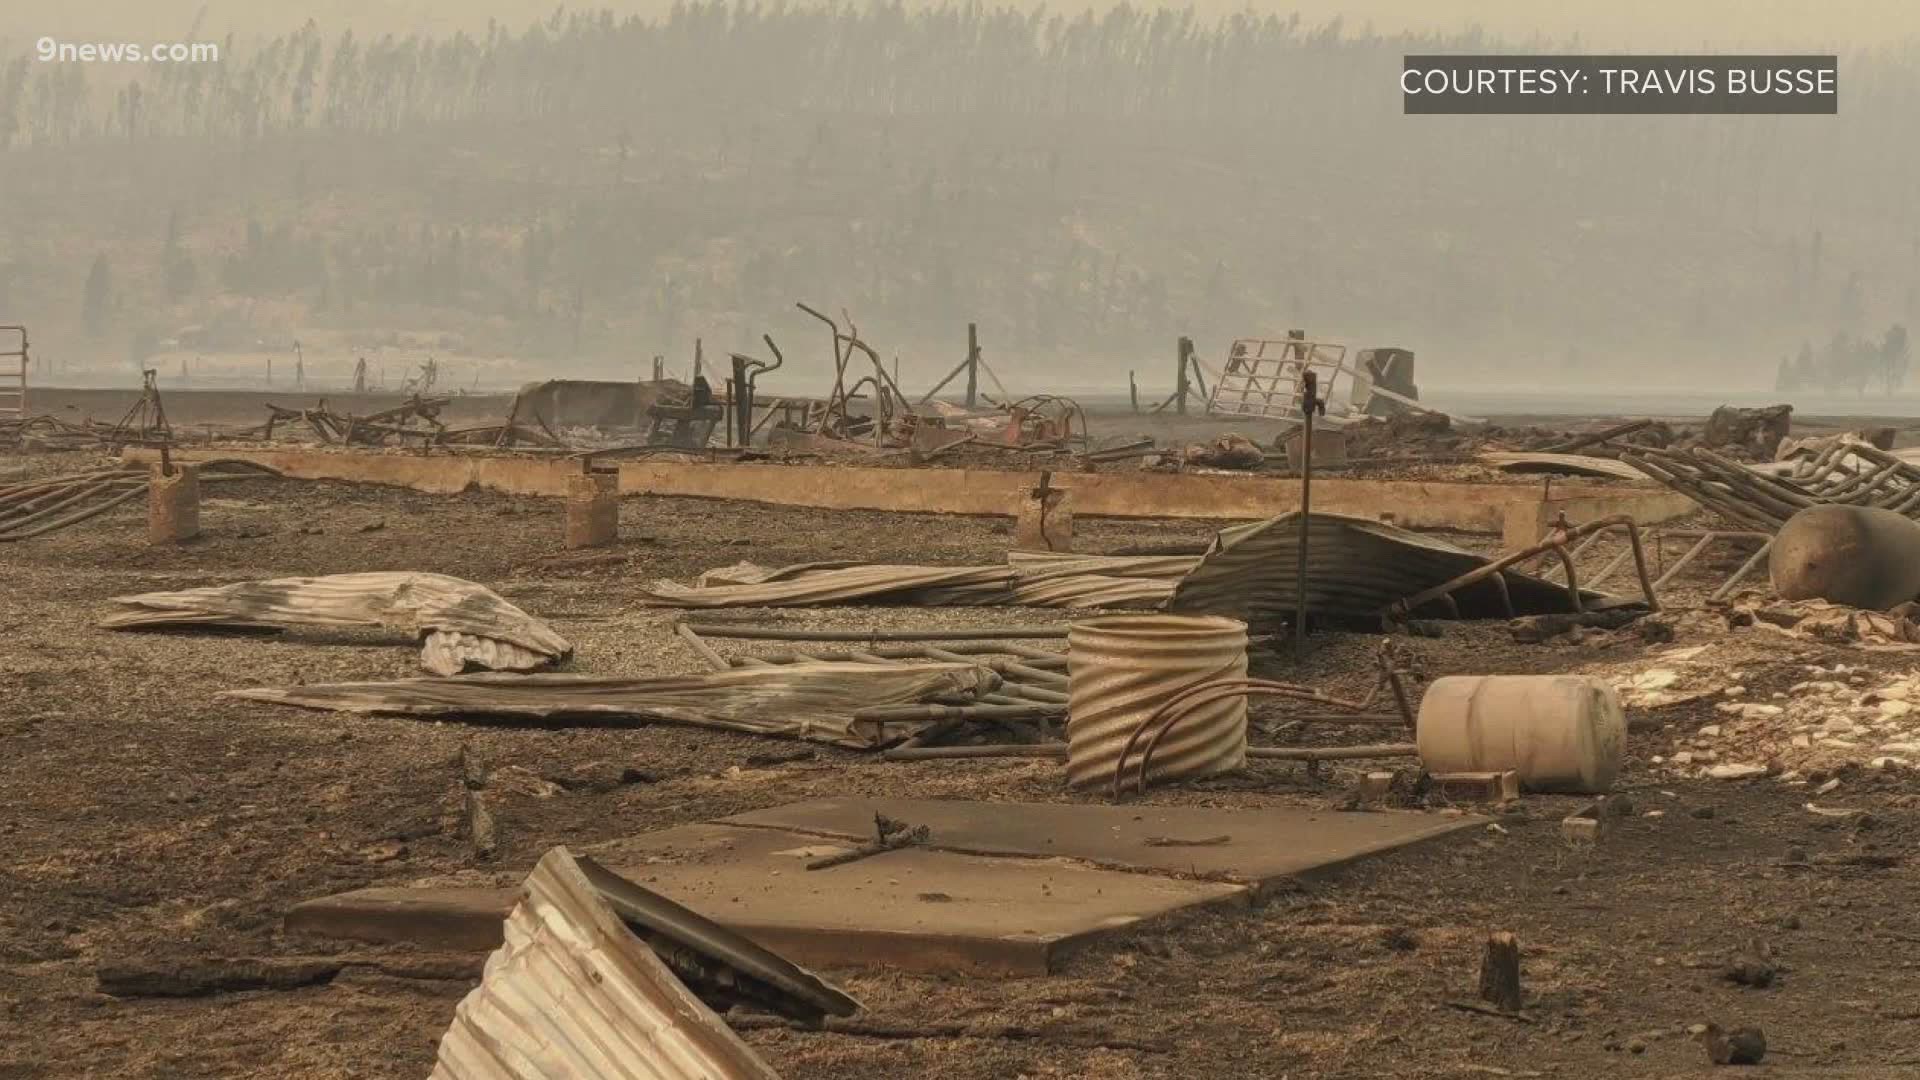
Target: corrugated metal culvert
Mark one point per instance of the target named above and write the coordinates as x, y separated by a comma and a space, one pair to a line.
1123, 667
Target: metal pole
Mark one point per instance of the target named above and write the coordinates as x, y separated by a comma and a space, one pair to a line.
973, 365
1309, 403
1180, 376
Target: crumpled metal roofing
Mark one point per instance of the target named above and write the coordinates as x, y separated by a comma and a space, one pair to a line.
574, 994
1037, 565
1355, 569
803, 587
806, 701
462, 624
1092, 591
1065, 580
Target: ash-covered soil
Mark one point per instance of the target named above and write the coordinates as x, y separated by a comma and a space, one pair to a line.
147, 820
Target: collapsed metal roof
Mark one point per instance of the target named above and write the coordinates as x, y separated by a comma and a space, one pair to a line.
1356, 568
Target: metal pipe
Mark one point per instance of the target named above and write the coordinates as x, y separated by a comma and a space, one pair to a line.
1045, 751
777, 633
1309, 402
1332, 753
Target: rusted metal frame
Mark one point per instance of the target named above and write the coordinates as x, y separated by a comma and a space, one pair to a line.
34, 491
1573, 579
1009, 688
1546, 570
1757, 485
1684, 560
75, 518
1556, 541
53, 502
1741, 574
1005, 667
1860, 488
1715, 497
836, 399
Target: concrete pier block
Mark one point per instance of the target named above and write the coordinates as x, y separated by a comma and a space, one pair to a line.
1044, 520
593, 510
173, 504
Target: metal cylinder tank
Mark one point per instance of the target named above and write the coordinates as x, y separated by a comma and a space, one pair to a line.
1855, 555
1121, 668
1562, 733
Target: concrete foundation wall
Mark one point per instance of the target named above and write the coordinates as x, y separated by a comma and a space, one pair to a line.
439, 474
1517, 511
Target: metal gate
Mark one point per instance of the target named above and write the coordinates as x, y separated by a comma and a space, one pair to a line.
1262, 376
13, 372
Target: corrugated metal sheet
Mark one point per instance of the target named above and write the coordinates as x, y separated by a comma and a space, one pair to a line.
1122, 668
463, 623
877, 583
1039, 565
1355, 569
574, 994
806, 701
1093, 591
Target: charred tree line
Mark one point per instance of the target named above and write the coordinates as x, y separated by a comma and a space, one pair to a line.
593, 186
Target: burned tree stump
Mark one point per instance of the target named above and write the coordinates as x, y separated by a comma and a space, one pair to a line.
1500, 972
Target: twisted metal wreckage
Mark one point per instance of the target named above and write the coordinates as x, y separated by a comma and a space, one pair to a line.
908, 691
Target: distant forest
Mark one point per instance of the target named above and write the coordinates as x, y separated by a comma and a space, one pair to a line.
587, 192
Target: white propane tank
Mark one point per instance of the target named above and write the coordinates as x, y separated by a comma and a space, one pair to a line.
1561, 733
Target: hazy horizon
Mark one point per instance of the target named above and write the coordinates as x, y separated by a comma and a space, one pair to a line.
1606, 25
577, 198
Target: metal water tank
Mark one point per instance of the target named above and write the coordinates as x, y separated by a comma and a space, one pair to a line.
1562, 733
1121, 668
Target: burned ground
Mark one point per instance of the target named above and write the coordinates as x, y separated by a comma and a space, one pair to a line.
149, 821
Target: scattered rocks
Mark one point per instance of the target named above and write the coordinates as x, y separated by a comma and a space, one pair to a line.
1751, 971
1741, 1046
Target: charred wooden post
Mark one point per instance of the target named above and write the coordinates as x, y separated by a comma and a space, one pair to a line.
593, 511
173, 504
1500, 972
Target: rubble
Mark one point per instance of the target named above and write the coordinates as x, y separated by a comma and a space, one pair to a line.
1757, 432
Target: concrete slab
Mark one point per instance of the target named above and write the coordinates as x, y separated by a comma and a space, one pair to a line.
1259, 846
914, 909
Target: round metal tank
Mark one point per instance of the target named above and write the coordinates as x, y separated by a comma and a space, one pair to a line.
1121, 668
1855, 555
1561, 733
